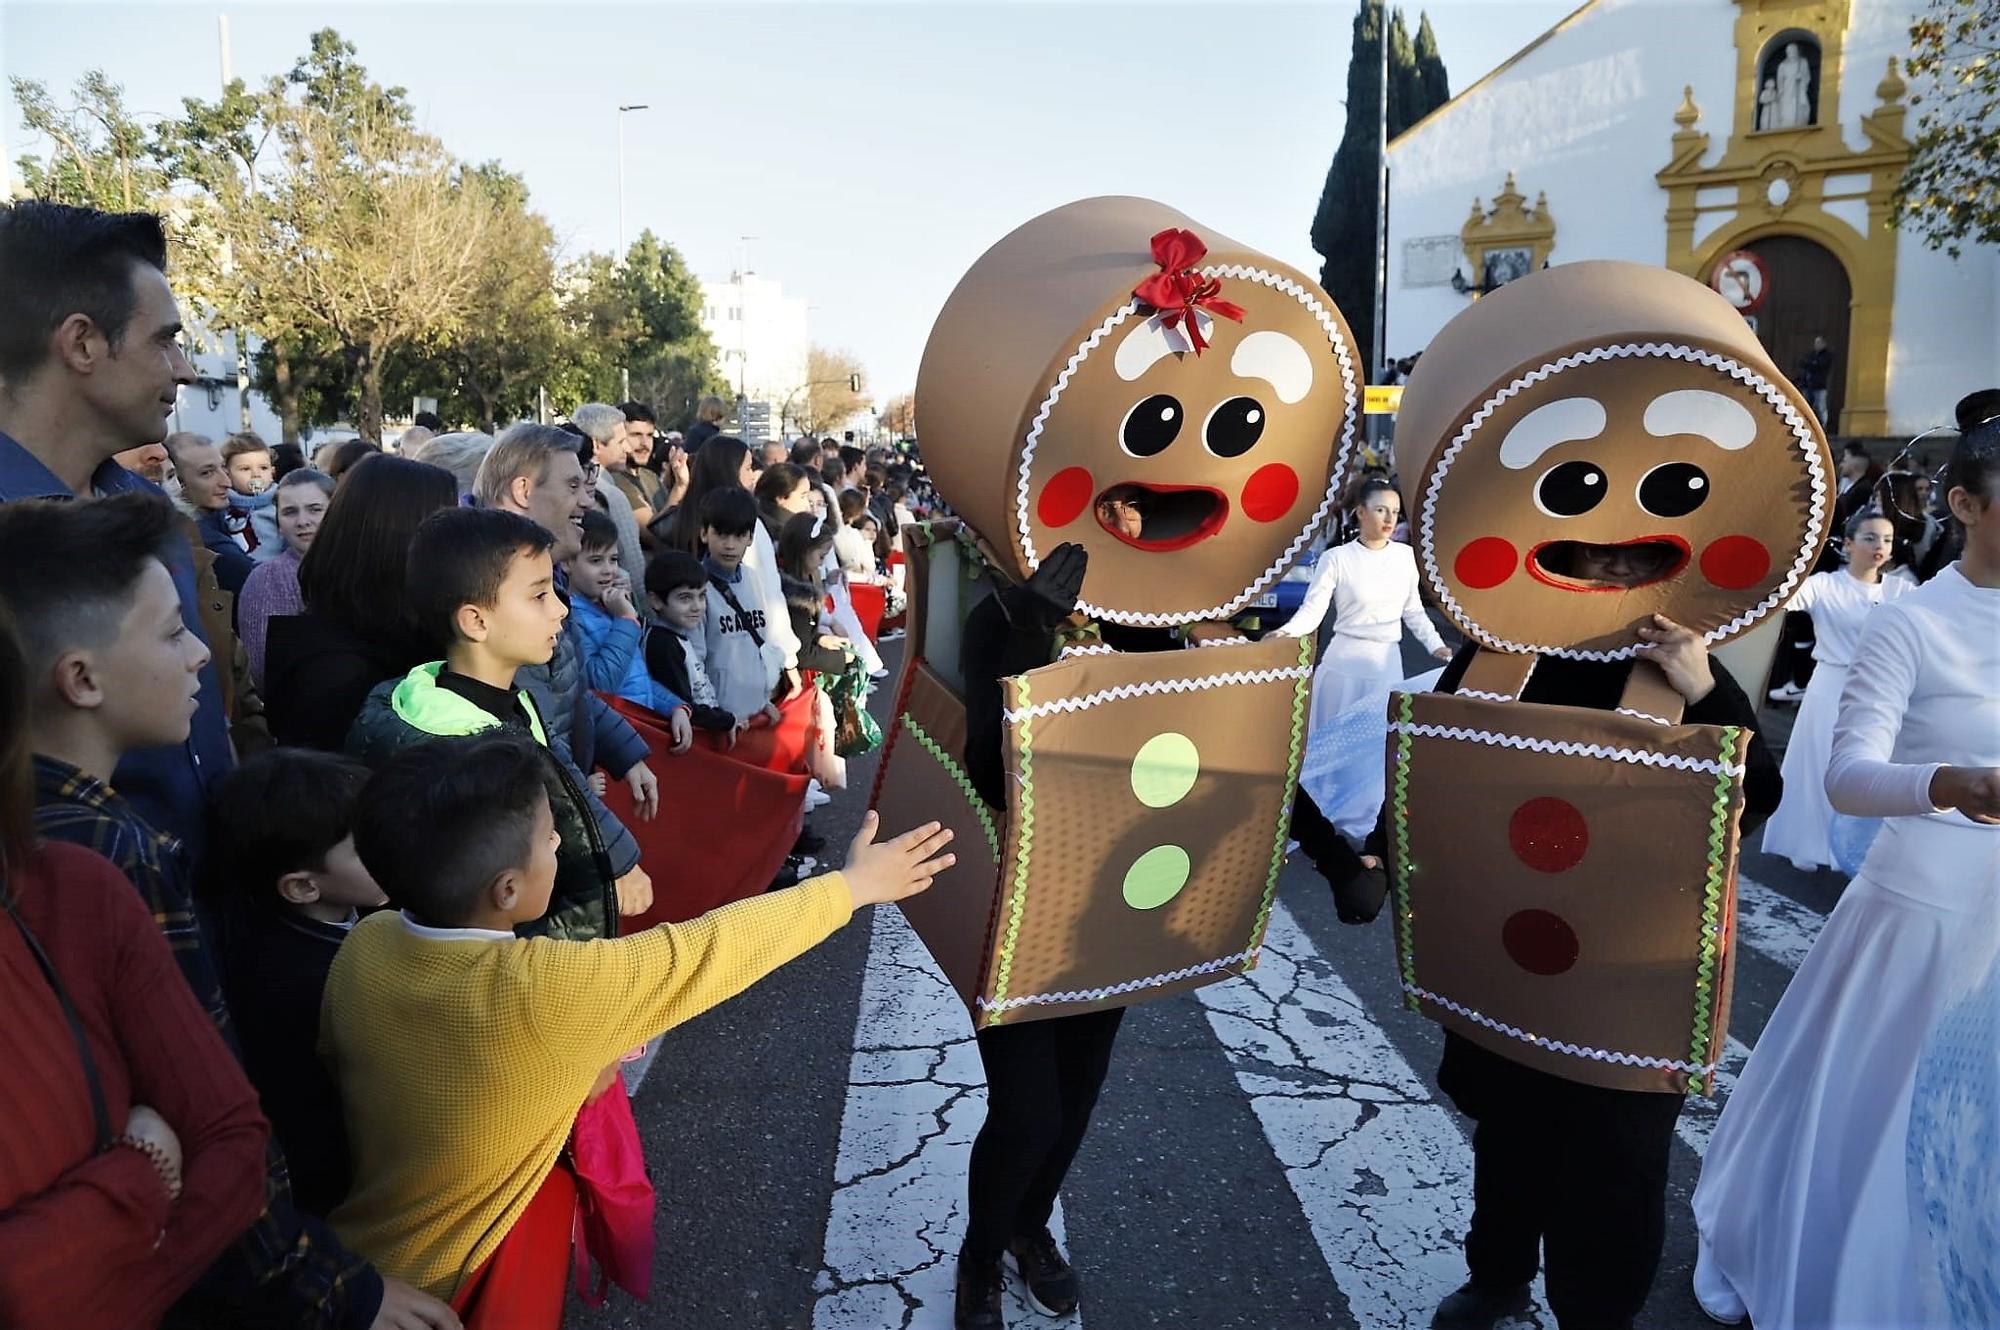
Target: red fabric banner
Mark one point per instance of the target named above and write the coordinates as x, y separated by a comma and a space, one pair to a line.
727, 818
870, 601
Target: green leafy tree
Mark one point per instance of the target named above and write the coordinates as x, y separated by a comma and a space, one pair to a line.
642, 317
1947, 194
99, 155
1343, 229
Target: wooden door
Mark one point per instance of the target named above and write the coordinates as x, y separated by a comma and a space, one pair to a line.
1807, 295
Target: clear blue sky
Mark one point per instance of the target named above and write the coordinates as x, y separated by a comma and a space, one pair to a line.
873, 150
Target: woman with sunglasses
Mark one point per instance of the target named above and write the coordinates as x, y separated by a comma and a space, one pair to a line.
1804, 1207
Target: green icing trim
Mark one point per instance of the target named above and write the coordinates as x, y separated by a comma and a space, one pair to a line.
1301, 695
1024, 837
1711, 908
1400, 803
958, 778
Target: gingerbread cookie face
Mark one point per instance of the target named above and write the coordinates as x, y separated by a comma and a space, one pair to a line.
1651, 461
1114, 374
1192, 479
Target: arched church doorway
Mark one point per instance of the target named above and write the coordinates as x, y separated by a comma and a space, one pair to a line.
1807, 295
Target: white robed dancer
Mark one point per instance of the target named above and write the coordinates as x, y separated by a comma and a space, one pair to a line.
1839, 603
1803, 1206
1371, 584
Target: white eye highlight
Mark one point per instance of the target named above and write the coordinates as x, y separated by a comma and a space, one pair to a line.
1565, 420
1278, 360
1151, 342
1723, 421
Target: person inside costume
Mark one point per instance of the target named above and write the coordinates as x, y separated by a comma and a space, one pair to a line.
1593, 516
1142, 436
1803, 1205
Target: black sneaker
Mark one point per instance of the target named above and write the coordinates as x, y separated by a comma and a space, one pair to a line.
1051, 1283
978, 1302
1476, 1308
809, 841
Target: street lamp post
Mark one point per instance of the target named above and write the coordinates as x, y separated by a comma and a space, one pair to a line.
637, 106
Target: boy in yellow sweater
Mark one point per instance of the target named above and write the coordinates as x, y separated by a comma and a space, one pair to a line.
462, 1051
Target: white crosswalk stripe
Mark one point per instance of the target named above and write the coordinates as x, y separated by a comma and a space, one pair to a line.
915, 1098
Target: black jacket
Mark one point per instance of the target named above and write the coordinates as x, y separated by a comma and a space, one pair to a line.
317, 673
666, 661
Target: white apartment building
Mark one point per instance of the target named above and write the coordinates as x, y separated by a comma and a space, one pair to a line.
761, 339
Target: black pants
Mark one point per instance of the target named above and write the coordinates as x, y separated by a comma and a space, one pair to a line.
1793, 662
1042, 1079
1574, 1174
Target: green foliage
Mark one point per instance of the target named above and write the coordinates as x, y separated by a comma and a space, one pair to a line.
1343, 228
311, 212
1947, 193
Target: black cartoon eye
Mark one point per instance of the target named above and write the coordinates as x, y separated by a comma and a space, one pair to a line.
1673, 490
1570, 490
1151, 425
1234, 427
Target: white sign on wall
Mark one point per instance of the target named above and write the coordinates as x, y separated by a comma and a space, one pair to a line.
1429, 260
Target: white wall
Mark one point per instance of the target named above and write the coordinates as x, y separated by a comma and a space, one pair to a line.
192, 409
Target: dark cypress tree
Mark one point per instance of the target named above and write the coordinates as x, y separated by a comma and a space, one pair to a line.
1343, 229
1433, 84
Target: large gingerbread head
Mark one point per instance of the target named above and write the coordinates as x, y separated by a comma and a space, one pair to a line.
1115, 374
1600, 442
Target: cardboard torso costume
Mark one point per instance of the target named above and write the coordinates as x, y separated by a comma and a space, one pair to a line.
1148, 794
1564, 878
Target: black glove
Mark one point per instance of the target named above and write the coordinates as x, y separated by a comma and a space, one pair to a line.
1047, 598
1359, 893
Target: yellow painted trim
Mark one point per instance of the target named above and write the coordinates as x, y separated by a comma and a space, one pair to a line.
1803, 158
1510, 224
1497, 70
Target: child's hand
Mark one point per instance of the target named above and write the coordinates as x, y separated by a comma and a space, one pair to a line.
891, 870
618, 600
1973, 791
598, 783
1681, 655
635, 892
645, 790
681, 726
833, 643
771, 715
406, 1308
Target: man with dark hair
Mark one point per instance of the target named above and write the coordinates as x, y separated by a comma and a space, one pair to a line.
429, 420
853, 467
119, 670
90, 365
805, 454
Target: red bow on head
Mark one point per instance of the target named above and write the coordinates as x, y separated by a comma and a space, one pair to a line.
1177, 290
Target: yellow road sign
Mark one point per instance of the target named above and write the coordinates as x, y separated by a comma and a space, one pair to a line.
1382, 400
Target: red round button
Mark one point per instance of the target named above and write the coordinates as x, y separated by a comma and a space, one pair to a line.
1548, 834
1539, 942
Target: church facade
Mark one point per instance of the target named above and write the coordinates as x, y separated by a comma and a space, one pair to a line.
1751, 144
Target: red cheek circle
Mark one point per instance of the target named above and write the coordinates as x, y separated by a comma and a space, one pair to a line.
1548, 834
1735, 562
1065, 497
1486, 562
1540, 942
1271, 492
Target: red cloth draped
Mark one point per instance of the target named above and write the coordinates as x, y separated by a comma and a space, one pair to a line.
523, 1284
727, 818
869, 603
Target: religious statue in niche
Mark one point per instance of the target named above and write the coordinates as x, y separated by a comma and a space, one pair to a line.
1785, 96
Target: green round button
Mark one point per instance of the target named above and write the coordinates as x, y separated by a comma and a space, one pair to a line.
1156, 877
1165, 770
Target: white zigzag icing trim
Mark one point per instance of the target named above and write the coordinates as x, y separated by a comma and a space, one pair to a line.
1114, 990
1642, 715
1764, 388
1559, 1045
1350, 422
1097, 649
1225, 642
1567, 748
1130, 690
1486, 697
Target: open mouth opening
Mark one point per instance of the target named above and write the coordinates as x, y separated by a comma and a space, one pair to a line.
1576, 565
1161, 517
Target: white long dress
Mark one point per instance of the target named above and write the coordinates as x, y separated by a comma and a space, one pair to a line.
1839, 603
1373, 594
1803, 1206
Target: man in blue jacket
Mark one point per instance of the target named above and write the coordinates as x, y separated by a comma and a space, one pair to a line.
90, 363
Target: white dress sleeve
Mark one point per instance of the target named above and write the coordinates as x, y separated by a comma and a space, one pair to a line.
1416, 620
1808, 593
1319, 595
1861, 778
777, 615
